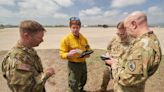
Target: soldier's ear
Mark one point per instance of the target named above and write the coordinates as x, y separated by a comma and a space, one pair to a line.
26, 35
134, 24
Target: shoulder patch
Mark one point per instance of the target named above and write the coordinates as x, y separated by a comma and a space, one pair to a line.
156, 42
145, 41
131, 66
24, 67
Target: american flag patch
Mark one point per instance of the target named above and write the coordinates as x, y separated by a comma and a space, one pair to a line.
24, 67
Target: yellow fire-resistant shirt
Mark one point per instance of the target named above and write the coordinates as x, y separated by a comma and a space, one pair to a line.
71, 42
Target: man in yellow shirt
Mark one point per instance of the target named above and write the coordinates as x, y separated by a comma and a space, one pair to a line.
71, 46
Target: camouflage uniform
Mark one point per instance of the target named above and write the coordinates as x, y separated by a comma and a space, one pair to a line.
138, 64
23, 70
116, 49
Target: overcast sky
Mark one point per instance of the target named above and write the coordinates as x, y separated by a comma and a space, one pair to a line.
89, 11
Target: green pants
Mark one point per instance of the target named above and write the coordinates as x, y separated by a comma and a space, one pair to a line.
106, 78
77, 76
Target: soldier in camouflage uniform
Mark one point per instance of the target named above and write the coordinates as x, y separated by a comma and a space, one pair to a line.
22, 66
141, 60
116, 49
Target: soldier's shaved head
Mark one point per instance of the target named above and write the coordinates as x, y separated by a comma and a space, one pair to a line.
137, 16
136, 23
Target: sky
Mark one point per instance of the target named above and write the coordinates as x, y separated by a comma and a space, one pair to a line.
91, 12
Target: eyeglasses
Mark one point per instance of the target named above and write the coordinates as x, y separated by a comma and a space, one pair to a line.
74, 18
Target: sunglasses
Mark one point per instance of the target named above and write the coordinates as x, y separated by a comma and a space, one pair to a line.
74, 18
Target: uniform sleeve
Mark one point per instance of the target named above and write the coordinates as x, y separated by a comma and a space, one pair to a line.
110, 44
136, 68
4, 66
88, 46
63, 49
24, 73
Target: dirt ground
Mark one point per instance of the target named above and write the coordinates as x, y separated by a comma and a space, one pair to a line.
58, 83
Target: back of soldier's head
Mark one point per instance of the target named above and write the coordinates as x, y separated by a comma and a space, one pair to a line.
30, 27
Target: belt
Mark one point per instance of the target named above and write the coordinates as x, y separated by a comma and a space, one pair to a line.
77, 62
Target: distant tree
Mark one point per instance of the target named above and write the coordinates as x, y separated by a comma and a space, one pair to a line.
2, 26
105, 26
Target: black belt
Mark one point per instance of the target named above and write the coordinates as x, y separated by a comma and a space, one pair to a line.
77, 62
